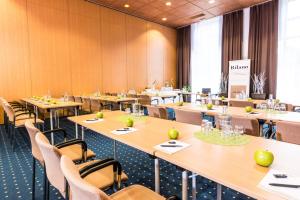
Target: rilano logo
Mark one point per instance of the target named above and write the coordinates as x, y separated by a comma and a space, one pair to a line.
239, 67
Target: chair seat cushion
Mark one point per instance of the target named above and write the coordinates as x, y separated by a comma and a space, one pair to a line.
136, 192
74, 152
102, 178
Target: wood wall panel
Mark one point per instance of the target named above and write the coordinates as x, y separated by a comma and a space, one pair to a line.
14, 66
136, 53
49, 47
77, 47
156, 53
85, 47
113, 34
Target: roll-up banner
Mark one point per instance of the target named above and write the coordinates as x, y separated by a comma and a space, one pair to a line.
239, 78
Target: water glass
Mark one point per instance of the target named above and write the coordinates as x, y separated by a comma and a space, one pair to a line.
238, 130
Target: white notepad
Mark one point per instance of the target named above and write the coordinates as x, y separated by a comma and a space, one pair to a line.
91, 121
171, 150
123, 132
288, 193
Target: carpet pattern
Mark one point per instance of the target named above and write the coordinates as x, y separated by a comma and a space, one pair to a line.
16, 170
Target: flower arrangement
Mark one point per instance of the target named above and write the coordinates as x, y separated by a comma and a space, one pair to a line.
223, 83
259, 81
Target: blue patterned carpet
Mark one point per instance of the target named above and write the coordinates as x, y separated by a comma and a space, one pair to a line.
16, 170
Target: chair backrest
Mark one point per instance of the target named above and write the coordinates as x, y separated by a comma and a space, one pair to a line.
95, 105
144, 100
51, 157
157, 111
234, 103
288, 132
9, 111
86, 104
251, 126
79, 188
189, 117
32, 131
78, 99
71, 98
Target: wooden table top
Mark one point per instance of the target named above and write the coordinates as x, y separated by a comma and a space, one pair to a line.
232, 166
47, 105
151, 132
114, 99
238, 111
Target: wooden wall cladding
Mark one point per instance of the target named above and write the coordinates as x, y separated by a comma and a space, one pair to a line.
77, 47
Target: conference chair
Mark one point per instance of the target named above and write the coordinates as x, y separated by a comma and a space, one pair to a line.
80, 189
189, 117
102, 179
17, 119
71, 98
86, 104
72, 150
236, 103
251, 126
95, 105
288, 132
157, 111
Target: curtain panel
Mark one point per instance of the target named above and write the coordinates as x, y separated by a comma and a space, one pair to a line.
232, 38
263, 42
183, 66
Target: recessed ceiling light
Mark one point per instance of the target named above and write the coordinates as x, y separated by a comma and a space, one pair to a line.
168, 3
126, 5
211, 1
164, 19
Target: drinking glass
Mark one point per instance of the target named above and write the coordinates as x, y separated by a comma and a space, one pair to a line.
282, 107
238, 130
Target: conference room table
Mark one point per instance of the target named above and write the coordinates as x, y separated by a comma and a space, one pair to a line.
51, 108
231, 166
112, 99
165, 96
239, 111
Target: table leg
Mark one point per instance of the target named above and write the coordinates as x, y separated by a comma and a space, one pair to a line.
82, 132
184, 185
261, 130
76, 125
115, 149
157, 174
219, 191
36, 110
51, 126
194, 186
120, 106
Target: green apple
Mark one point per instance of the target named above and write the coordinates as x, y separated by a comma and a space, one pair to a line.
248, 109
263, 158
249, 99
180, 103
53, 101
129, 122
209, 106
222, 98
173, 134
49, 100
277, 101
99, 115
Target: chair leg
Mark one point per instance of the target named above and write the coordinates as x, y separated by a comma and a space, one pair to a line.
67, 190
33, 178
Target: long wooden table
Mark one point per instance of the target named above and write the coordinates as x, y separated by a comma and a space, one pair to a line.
237, 111
50, 107
231, 166
112, 99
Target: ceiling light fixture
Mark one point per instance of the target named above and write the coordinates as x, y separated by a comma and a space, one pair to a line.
211, 1
164, 19
126, 5
168, 3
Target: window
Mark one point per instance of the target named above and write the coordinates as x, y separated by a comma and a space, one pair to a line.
288, 52
206, 55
